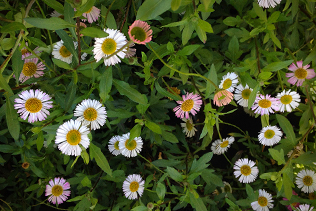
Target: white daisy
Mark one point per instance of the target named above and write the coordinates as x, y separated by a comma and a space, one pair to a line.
107, 46
270, 135
219, 147
242, 95
268, 3
130, 148
70, 135
229, 82
114, 145
188, 127
62, 53
133, 185
306, 179
265, 104
91, 112
246, 169
304, 207
288, 100
264, 201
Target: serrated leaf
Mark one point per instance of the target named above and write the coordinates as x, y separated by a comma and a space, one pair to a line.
287, 128
125, 89
174, 174
52, 23
150, 9
95, 152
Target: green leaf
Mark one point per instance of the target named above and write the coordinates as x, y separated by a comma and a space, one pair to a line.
232, 21
265, 120
277, 155
38, 172
52, 23
197, 203
12, 119
37, 42
5, 85
211, 178
161, 190
175, 4
32, 187
12, 27
8, 148
105, 84
233, 49
166, 93
110, 20
206, 3
164, 163
93, 32
83, 205
205, 26
86, 182
201, 33
250, 193
306, 159
212, 75
17, 64
39, 141
187, 32
275, 39
265, 75
153, 127
150, 9
85, 7
125, 89
70, 95
169, 137
200, 164
253, 95
61, 64
275, 66
287, 128
287, 184
95, 152
174, 174
55, 5
140, 208
188, 50
135, 131
69, 44
259, 11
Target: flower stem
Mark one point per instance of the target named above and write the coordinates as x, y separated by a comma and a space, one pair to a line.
227, 159
150, 163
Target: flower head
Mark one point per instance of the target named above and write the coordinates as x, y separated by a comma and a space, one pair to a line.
227, 188
31, 69
26, 53
114, 145
33, 105
288, 100
92, 14
133, 186
265, 104
264, 201
305, 207
139, 32
246, 170
222, 97
130, 148
229, 82
299, 73
62, 53
306, 180
268, 3
188, 127
242, 95
57, 190
270, 135
91, 112
70, 135
191, 103
130, 51
107, 46
221, 146
25, 165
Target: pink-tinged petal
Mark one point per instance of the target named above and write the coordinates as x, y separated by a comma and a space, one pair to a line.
292, 67
310, 73
292, 80
299, 64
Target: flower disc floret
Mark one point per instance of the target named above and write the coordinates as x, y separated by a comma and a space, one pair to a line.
299, 73
221, 146
133, 186
191, 103
140, 32
130, 148
31, 68
229, 82
270, 135
264, 202
306, 180
265, 104
288, 100
62, 53
246, 170
242, 95
57, 190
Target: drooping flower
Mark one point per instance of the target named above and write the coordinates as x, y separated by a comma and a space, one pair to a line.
92, 14
221, 146
188, 127
264, 202
91, 112
246, 170
229, 82
31, 69
288, 100
114, 145
107, 46
62, 53
268, 3
306, 180
139, 32
270, 135
130, 148
242, 95
305, 207
191, 103
57, 190
227, 188
222, 97
33, 105
130, 51
300, 73
70, 135
265, 104
133, 186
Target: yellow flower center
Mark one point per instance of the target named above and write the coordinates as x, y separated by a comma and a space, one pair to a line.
29, 69
286, 99
245, 94
89, 10
116, 145
25, 165
224, 144
245, 170
131, 145
189, 125
262, 201
227, 83
90, 114
73, 137
308, 180
300, 73
269, 134
63, 51
33, 105
187, 105
138, 33
24, 51
264, 103
108, 46
57, 190
134, 186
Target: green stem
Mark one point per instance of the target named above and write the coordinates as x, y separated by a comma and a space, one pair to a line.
6, 204
150, 163
226, 123
280, 80
227, 159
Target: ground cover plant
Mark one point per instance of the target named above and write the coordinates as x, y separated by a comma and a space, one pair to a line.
157, 105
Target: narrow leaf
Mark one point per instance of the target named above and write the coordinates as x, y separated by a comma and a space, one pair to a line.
125, 89
12, 119
52, 23
287, 128
150, 9
95, 152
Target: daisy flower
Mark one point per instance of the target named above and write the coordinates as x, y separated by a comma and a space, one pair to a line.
188, 127
91, 112
130, 51
288, 100
305, 207
107, 46
246, 170
219, 146
31, 69
57, 190
264, 201
62, 53
222, 97
92, 14
114, 145
33, 105
300, 73
133, 186
306, 180
265, 104
270, 135
130, 149
229, 82
191, 103
139, 32
268, 3
70, 135
242, 95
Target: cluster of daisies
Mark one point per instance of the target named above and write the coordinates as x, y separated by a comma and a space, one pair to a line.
123, 145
